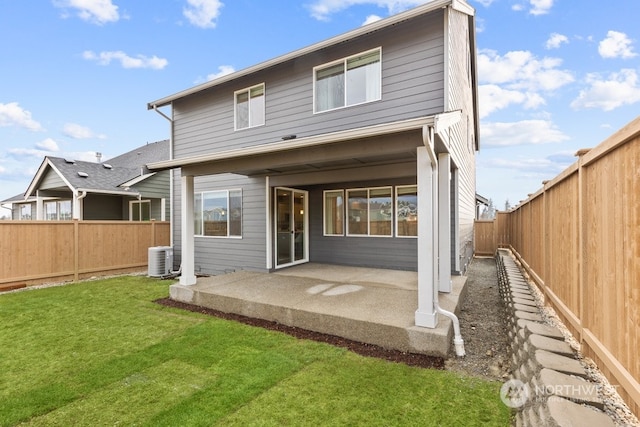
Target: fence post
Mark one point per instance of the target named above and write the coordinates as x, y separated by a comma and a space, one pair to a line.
581, 239
76, 250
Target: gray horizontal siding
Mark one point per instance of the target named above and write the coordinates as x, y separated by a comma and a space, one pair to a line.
220, 255
412, 80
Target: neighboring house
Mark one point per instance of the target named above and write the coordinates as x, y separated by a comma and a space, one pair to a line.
358, 150
120, 189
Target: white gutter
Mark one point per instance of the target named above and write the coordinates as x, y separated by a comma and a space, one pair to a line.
298, 143
428, 134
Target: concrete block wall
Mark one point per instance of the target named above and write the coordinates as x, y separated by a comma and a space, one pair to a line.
549, 385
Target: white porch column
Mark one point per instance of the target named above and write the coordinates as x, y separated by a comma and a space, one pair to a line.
187, 276
444, 222
426, 315
39, 206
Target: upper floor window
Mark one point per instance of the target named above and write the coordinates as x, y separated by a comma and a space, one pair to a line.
250, 107
57, 210
349, 81
218, 213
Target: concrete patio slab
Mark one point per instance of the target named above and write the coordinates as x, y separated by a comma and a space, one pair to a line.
373, 306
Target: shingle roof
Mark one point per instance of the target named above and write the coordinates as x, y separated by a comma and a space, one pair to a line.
104, 177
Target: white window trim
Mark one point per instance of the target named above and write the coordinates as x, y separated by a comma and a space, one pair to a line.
344, 61
368, 189
229, 190
235, 106
57, 203
324, 212
395, 208
139, 203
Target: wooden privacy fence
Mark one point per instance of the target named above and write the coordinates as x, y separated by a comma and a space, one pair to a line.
579, 240
45, 251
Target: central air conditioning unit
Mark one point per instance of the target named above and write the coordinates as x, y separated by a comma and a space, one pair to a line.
160, 261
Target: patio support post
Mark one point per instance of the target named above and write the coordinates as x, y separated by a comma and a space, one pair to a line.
444, 222
426, 315
187, 276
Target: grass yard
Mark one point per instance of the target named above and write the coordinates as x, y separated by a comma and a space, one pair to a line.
102, 353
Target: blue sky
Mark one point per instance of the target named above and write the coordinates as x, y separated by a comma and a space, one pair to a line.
554, 75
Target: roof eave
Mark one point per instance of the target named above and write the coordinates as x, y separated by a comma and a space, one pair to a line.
369, 28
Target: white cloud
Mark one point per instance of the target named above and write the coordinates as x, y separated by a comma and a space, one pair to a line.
519, 78
76, 131
140, 61
321, 9
522, 70
48, 144
609, 93
28, 152
223, 70
203, 13
371, 19
485, 3
616, 45
12, 114
540, 7
494, 98
555, 40
95, 11
525, 132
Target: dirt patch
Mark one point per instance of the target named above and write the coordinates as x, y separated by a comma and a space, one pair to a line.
483, 325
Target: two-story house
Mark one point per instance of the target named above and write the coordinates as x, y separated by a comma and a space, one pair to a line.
358, 150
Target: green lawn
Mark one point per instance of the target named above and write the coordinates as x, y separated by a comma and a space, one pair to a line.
102, 353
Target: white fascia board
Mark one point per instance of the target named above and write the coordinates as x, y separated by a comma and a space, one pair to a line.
294, 144
113, 193
36, 179
136, 180
369, 28
463, 6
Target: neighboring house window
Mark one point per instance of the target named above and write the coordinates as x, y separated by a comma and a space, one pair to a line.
407, 211
140, 210
349, 81
250, 107
57, 210
24, 212
218, 213
334, 213
370, 212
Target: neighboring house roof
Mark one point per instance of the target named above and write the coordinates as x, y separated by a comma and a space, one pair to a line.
114, 176
433, 5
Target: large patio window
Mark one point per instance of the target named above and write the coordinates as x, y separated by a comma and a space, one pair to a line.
349, 81
57, 210
250, 107
334, 213
407, 211
370, 212
218, 213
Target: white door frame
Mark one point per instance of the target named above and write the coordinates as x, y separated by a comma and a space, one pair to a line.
305, 227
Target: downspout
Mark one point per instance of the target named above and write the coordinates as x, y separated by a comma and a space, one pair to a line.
428, 135
76, 207
173, 273
171, 200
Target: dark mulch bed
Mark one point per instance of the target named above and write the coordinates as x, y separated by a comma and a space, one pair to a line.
369, 350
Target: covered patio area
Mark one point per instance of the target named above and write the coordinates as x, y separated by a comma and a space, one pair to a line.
374, 306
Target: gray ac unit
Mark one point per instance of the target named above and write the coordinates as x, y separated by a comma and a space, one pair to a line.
160, 261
